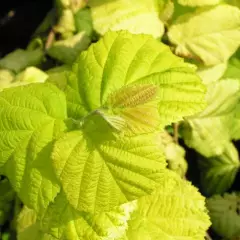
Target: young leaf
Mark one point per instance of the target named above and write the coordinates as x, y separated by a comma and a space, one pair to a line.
137, 105
120, 60
198, 3
29, 123
20, 59
99, 170
135, 16
176, 202
218, 172
210, 42
224, 213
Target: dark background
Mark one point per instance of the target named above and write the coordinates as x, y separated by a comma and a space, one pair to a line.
16, 32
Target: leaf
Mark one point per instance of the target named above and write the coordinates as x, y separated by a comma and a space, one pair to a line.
208, 136
6, 77
6, 198
218, 172
83, 21
135, 16
107, 170
29, 123
131, 103
210, 42
224, 213
66, 24
166, 10
210, 131
233, 67
28, 226
20, 59
194, 3
212, 74
64, 222
233, 2
140, 60
67, 50
58, 76
31, 75
222, 98
175, 202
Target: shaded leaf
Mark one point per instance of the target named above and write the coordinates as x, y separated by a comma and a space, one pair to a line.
218, 172
224, 213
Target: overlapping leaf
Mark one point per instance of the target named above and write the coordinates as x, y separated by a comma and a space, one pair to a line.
218, 172
28, 226
29, 123
120, 60
194, 3
174, 211
99, 170
175, 201
210, 131
135, 16
66, 51
224, 213
6, 198
64, 222
210, 42
20, 59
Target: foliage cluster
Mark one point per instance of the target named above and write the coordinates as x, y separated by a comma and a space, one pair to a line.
93, 146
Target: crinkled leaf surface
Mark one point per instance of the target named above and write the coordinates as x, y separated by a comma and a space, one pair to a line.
219, 172
99, 170
175, 201
29, 123
194, 3
176, 210
121, 59
20, 59
136, 16
224, 213
64, 222
210, 42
